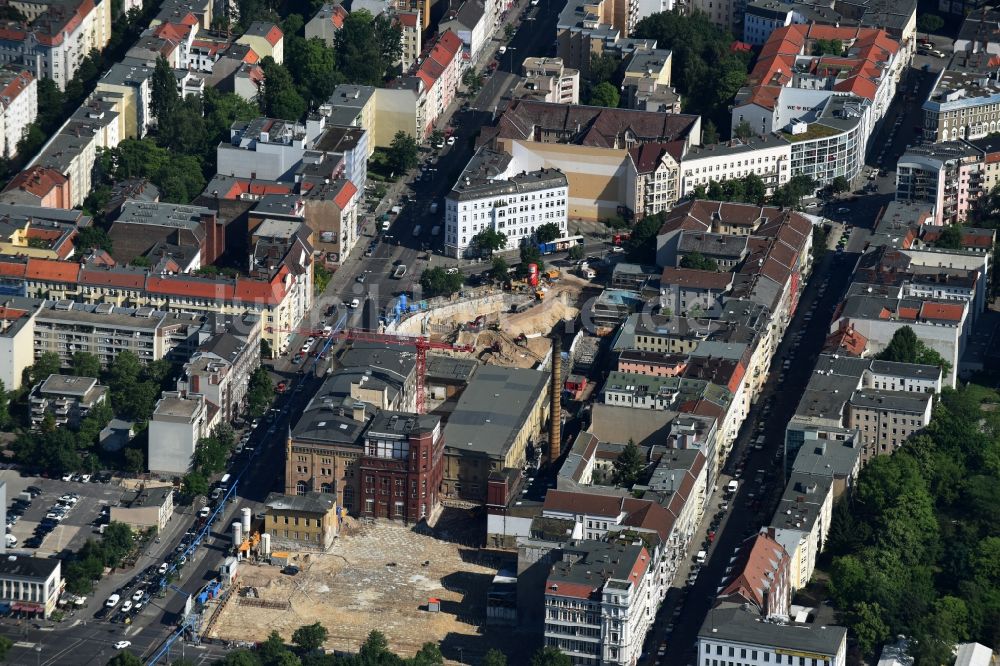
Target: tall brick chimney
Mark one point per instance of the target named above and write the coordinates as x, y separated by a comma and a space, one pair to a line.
555, 411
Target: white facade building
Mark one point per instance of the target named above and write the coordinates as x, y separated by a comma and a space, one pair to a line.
178, 422
734, 635
490, 194
769, 156
598, 605
18, 107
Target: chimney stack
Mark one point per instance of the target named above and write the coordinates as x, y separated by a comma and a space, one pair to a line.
555, 411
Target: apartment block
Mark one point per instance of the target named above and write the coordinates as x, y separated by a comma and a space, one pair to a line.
769, 156
56, 38
266, 39
31, 585
802, 522
326, 22
177, 423
67, 398
597, 604
585, 28
947, 175
221, 367
492, 194
547, 80
731, 634
17, 336
759, 578
588, 144
18, 106
885, 419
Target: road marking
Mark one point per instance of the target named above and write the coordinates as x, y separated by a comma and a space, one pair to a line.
24, 644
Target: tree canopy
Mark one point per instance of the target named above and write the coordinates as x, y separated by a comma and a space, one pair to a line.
367, 47
748, 189
906, 347
641, 245
404, 153
629, 465
706, 71
605, 94
279, 98
916, 550
489, 240
698, 261
437, 281
546, 233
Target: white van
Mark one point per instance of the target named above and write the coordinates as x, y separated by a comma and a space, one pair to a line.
700, 557
204, 513
11, 540
732, 486
224, 480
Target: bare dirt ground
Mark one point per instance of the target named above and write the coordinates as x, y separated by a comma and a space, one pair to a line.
379, 577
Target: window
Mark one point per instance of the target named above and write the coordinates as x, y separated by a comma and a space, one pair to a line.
301, 488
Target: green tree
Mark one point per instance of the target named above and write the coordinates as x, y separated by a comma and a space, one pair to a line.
603, 68
706, 71
928, 23
494, 657
310, 637
832, 47
575, 253
124, 658
367, 47
46, 364
902, 347
698, 261
163, 85
605, 94
489, 240
5, 420
5, 645
641, 245
278, 96
404, 153
743, 131
870, 630
429, 654
312, 65
709, 133
790, 194
91, 237
260, 392
550, 656
438, 282
86, 364
195, 484
529, 254
840, 184
950, 237
629, 465
548, 232
374, 649
499, 269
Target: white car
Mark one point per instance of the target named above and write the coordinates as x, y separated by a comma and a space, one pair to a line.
355, 304
85, 478
121, 645
127, 606
451, 141
67, 477
137, 594
112, 601
163, 568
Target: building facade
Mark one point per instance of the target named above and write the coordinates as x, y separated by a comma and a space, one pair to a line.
30, 585
486, 197
310, 521
177, 423
68, 399
401, 467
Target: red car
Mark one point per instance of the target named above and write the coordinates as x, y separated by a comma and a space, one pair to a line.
282, 387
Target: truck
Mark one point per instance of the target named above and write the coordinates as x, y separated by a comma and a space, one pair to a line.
546, 248
553, 274
399, 271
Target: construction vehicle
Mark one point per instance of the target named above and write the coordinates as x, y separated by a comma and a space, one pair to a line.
553, 274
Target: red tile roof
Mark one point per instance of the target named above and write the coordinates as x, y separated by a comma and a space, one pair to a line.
344, 196
408, 19
37, 180
583, 503
123, 279
52, 270
274, 35
16, 86
945, 311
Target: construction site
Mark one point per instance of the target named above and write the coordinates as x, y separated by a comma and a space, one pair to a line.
510, 331
412, 587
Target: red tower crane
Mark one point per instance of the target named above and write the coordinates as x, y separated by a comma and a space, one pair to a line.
421, 344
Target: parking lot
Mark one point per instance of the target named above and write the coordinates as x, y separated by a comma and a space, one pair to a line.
74, 527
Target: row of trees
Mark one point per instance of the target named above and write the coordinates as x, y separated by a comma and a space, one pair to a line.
752, 189
916, 549
306, 650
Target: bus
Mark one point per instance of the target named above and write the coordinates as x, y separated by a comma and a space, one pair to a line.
560, 244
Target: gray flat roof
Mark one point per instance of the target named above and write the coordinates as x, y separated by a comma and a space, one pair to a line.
68, 385
311, 502
17, 566
801, 502
732, 623
828, 456
493, 408
895, 401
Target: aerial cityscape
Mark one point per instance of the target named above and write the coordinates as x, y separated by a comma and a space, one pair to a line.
499, 333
